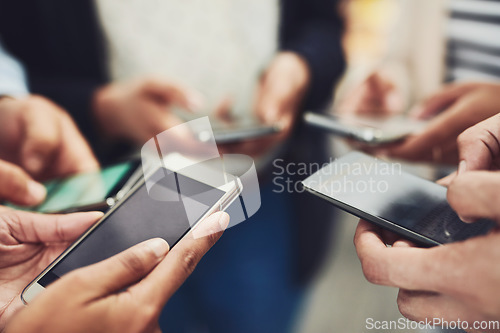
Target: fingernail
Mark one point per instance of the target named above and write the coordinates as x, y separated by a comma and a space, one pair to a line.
159, 247
224, 221
462, 167
34, 163
466, 219
36, 191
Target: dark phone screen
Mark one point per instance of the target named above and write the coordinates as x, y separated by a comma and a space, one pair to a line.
139, 218
383, 190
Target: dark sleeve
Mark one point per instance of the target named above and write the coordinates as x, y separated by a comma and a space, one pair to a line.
313, 29
60, 44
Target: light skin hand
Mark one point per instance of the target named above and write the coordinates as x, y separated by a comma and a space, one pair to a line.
454, 281
464, 106
376, 96
30, 242
17, 187
125, 293
479, 148
39, 136
137, 110
280, 93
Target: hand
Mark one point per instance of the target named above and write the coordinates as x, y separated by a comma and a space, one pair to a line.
479, 146
464, 105
125, 293
376, 96
279, 95
18, 187
138, 110
454, 281
29, 243
42, 138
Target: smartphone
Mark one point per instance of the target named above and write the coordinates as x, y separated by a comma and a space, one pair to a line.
372, 131
381, 193
173, 207
234, 133
244, 134
98, 190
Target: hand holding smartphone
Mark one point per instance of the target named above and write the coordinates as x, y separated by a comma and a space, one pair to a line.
98, 190
180, 201
371, 131
382, 193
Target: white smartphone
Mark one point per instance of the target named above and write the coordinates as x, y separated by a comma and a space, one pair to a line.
170, 209
381, 193
372, 131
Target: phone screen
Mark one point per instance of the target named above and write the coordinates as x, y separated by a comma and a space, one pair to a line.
140, 217
83, 189
384, 191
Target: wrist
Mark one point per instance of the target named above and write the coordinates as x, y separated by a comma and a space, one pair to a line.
292, 68
102, 103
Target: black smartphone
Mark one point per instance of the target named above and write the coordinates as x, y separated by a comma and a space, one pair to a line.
381, 193
169, 207
370, 131
88, 191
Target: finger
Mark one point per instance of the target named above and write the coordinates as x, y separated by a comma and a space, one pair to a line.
75, 154
403, 266
389, 237
479, 145
174, 93
42, 135
120, 271
44, 228
475, 195
440, 101
440, 133
419, 306
223, 110
164, 280
17, 186
446, 181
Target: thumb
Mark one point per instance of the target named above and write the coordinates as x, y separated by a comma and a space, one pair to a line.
479, 145
122, 270
474, 195
17, 186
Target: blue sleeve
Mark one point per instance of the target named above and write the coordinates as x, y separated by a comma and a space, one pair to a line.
12, 76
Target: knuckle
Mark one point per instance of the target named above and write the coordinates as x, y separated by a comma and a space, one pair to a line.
148, 313
466, 136
190, 259
132, 262
212, 237
371, 269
